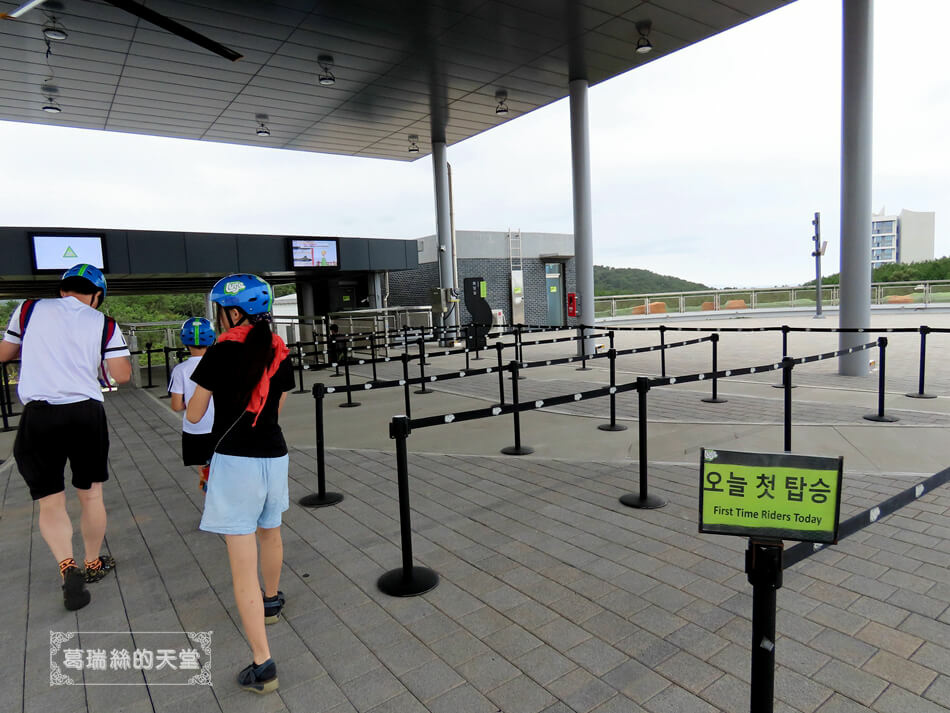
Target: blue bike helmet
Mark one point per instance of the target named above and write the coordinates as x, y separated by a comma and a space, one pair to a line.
88, 272
197, 332
248, 293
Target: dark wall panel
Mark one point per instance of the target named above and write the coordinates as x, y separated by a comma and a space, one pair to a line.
15, 249
354, 254
387, 255
211, 253
117, 252
258, 253
156, 252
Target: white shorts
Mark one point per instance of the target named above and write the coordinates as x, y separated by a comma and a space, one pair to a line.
245, 494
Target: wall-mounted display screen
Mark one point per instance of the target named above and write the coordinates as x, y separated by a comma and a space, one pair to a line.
61, 252
314, 253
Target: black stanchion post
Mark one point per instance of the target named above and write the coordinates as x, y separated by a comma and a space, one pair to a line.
610, 336
763, 565
148, 363
372, 354
6, 408
583, 366
301, 390
643, 500
663, 350
168, 372
422, 370
880, 416
405, 383
349, 403
467, 348
517, 449
787, 364
924, 331
714, 399
501, 375
613, 425
785, 331
321, 498
478, 341
408, 580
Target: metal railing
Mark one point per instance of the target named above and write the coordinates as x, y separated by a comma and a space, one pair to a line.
882, 293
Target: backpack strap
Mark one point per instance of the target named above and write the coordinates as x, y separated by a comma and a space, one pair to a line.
26, 311
108, 330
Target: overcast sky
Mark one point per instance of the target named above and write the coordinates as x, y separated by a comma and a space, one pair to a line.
707, 164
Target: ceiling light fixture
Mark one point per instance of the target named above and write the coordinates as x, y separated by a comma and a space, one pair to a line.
326, 78
54, 30
644, 46
413, 143
262, 129
502, 97
51, 106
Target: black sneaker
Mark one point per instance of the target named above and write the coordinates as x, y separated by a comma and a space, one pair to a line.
105, 565
75, 594
259, 679
273, 607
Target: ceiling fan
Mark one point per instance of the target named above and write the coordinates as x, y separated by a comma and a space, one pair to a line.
139, 10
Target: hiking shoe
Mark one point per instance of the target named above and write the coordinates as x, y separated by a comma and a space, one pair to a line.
75, 594
101, 566
273, 607
259, 679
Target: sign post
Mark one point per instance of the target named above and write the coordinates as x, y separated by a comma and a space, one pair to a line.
768, 497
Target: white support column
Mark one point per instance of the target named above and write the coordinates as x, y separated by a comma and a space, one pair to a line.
856, 119
443, 224
583, 226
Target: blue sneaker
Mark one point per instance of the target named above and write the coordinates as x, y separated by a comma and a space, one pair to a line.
273, 607
259, 678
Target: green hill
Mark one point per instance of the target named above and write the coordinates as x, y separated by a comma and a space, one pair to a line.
938, 269
634, 281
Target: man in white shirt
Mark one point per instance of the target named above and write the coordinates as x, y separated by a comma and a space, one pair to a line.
62, 344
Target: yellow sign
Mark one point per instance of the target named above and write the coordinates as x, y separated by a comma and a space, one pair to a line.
776, 495
553, 288
483, 289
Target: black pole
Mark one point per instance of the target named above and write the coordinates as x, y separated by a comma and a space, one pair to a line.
501, 374
787, 365
372, 353
785, 330
714, 399
6, 408
168, 372
517, 449
478, 341
610, 336
663, 350
148, 362
924, 331
613, 425
301, 390
519, 352
321, 498
408, 580
405, 383
349, 403
880, 416
583, 366
422, 368
643, 500
763, 565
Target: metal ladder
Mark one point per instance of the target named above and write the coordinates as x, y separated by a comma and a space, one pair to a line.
514, 249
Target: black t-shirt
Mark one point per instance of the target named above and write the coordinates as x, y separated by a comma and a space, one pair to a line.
221, 372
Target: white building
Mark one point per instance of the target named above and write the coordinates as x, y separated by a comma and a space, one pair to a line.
901, 238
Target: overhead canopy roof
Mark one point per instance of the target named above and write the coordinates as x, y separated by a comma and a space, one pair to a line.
401, 66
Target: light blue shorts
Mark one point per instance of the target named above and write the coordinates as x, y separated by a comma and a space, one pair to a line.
245, 494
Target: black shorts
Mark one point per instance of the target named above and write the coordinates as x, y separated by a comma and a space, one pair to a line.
51, 434
197, 448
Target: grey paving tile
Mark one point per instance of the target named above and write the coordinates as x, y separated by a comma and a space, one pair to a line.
636, 681
674, 700
431, 680
851, 682
488, 671
912, 676
521, 695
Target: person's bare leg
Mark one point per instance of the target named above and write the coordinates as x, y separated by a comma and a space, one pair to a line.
272, 558
55, 526
242, 552
93, 520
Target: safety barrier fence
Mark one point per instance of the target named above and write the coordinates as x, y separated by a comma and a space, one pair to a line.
410, 579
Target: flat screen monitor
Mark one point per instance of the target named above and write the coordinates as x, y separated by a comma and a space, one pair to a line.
320, 252
57, 253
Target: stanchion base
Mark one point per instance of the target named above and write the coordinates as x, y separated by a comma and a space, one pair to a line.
717, 400
782, 386
921, 396
520, 377
315, 500
583, 368
612, 427
396, 583
881, 419
349, 404
517, 450
423, 391
650, 502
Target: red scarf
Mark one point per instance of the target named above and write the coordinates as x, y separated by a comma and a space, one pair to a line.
259, 395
